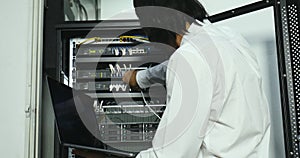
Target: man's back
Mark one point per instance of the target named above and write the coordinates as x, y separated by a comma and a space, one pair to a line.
241, 127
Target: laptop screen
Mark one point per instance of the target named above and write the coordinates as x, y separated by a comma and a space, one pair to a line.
74, 115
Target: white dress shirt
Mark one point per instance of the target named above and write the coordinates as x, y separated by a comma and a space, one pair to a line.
215, 103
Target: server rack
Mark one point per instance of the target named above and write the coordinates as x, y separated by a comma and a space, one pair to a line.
94, 57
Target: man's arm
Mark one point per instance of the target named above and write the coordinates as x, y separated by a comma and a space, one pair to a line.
145, 78
156, 74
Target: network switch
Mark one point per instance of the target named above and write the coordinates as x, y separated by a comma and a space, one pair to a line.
133, 109
110, 138
139, 132
115, 72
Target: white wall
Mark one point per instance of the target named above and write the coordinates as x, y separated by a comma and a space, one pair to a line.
117, 9
15, 16
109, 9
217, 6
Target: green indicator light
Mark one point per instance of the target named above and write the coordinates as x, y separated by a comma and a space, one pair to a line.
92, 51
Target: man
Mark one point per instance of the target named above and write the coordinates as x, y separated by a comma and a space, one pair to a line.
215, 103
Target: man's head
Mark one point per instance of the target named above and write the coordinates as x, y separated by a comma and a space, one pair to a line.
162, 20
192, 8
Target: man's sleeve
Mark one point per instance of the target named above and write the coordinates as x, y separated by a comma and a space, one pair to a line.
156, 74
189, 94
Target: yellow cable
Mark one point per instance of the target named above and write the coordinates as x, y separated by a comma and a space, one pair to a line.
90, 39
121, 38
134, 37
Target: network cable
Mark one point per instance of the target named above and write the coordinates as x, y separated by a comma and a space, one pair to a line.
98, 39
147, 105
94, 39
81, 10
137, 38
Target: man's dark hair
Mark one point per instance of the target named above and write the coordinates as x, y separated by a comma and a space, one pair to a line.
192, 8
173, 20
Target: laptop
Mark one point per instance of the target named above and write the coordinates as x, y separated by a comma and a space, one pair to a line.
76, 120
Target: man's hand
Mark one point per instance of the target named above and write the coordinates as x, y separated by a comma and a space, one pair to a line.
130, 78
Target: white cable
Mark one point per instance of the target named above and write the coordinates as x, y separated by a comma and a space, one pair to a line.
125, 67
95, 105
124, 87
130, 51
123, 51
141, 40
118, 68
117, 52
112, 69
117, 86
146, 104
101, 105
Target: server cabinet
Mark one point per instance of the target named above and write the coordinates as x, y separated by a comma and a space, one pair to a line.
93, 59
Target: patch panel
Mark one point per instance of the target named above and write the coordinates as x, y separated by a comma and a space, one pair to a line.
103, 86
112, 72
116, 51
90, 74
